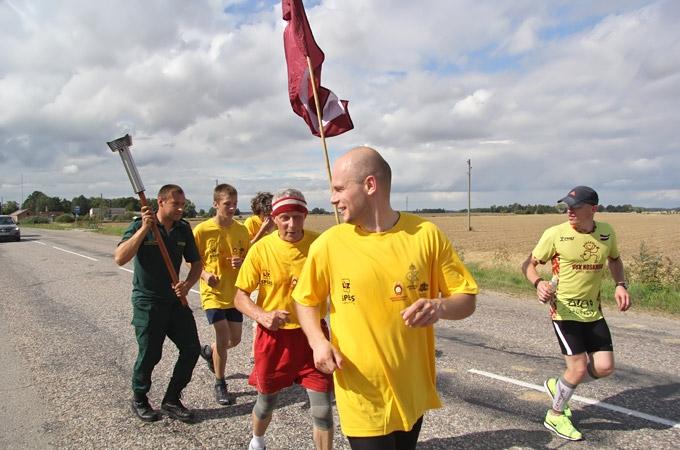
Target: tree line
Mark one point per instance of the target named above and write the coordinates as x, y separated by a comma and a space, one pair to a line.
517, 208
39, 202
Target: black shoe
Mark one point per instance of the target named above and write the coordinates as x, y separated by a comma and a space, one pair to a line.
144, 411
222, 395
206, 353
176, 410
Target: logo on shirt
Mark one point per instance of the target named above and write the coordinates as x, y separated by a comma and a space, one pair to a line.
266, 279
347, 296
412, 277
423, 288
566, 238
398, 289
239, 250
590, 251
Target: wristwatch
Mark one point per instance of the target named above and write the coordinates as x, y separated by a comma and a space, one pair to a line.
622, 284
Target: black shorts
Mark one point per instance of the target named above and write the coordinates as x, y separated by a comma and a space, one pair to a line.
230, 314
580, 337
397, 440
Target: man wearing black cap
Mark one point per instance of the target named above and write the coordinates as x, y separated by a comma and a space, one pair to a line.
578, 250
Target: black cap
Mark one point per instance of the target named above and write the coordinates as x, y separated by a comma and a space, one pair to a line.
580, 195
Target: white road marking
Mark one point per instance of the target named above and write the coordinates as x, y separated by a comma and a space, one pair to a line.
132, 271
38, 242
578, 398
74, 253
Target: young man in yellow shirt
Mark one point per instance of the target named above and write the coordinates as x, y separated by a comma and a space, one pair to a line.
390, 277
578, 249
222, 243
282, 354
259, 225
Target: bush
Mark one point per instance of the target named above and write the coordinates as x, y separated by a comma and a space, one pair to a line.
653, 269
128, 216
36, 219
65, 218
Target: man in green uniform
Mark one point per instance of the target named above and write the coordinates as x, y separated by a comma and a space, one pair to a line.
157, 310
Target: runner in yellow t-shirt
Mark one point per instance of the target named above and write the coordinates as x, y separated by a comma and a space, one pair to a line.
222, 243
579, 249
282, 355
390, 277
259, 225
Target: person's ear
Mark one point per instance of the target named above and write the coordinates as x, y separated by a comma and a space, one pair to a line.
370, 184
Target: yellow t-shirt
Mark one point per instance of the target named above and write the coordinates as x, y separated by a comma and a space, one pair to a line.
217, 245
579, 260
273, 265
253, 224
388, 380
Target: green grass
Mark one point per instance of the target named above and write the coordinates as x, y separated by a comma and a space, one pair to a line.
656, 297
114, 230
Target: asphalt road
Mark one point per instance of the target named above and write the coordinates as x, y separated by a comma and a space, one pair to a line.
67, 347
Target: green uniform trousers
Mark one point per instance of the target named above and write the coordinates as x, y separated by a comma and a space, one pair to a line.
153, 321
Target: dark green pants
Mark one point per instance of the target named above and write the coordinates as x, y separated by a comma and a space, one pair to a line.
153, 321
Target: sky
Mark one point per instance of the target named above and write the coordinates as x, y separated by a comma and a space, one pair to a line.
539, 95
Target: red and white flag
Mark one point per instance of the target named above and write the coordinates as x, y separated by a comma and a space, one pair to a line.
299, 43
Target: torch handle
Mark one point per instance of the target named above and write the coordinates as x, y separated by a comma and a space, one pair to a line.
164, 251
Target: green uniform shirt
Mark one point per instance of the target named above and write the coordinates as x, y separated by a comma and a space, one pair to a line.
151, 280
579, 260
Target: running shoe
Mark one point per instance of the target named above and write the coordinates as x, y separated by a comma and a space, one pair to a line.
206, 353
561, 426
551, 386
222, 395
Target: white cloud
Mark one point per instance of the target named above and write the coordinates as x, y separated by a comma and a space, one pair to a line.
70, 169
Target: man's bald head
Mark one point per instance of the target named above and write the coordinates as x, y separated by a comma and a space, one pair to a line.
361, 162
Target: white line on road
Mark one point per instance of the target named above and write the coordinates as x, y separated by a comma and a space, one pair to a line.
38, 242
578, 398
132, 271
74, 253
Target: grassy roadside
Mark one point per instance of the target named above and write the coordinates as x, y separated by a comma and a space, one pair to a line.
654, 297
109, 229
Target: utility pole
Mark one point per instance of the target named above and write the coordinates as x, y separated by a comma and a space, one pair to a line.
469, 185
407, 203
21, 205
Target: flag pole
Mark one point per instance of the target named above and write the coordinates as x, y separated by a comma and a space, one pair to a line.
321, 133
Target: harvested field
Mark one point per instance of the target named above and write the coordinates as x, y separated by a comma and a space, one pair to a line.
511, 237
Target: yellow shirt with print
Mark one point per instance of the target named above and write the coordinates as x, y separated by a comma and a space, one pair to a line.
579, 260
273, 265
253, 224
217, 245
388, 380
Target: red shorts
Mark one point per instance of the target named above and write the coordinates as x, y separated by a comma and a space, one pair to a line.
284, 357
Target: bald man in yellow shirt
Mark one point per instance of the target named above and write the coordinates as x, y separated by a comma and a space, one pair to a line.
390, 276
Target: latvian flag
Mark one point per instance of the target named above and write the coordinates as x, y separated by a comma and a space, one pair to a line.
299, 43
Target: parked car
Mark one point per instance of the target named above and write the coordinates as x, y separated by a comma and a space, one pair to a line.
8, 229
